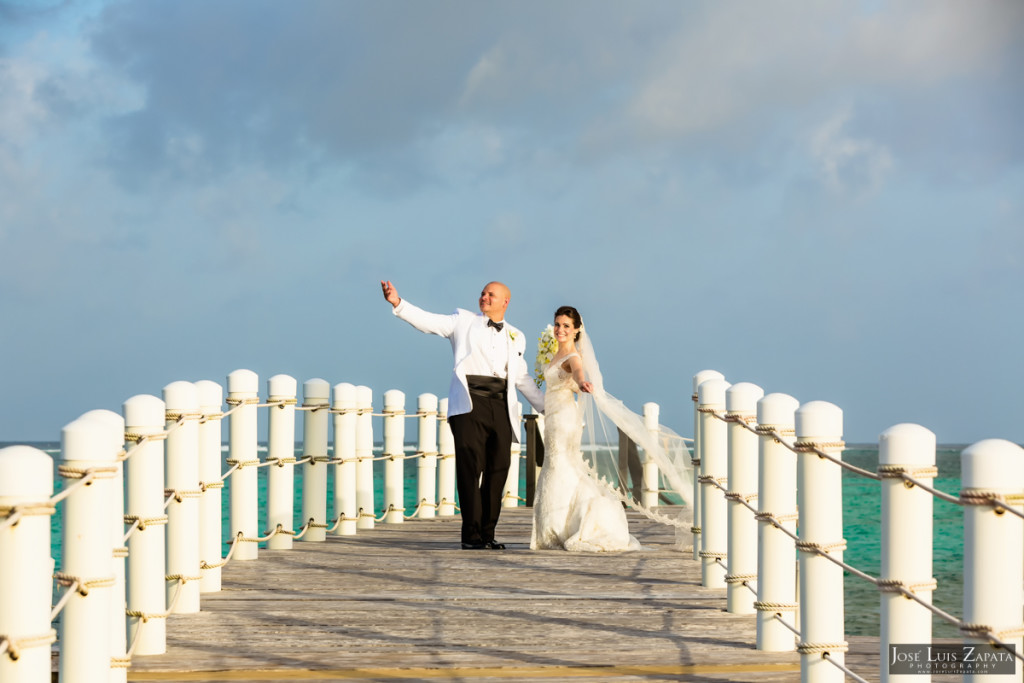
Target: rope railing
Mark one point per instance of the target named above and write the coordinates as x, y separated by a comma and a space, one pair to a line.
336, 522
240, 538
733, 419
245, 460
137, 440
84, 477
68, 592
147, 616
996, 500
749, 423
421, 505
12, 648
217, 565
827, 656
995, 497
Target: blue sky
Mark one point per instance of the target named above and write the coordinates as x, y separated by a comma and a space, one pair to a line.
825, 199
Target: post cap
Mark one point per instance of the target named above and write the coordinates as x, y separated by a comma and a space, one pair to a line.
819, 420
705, 375
994, 464
316, 390
711, 393
26, 475
344, 396
143, 410
181, 396
282, 386
652, 412
777, 409
87, 439
114, 427
243, 382
906, 444
211, 395
743, 397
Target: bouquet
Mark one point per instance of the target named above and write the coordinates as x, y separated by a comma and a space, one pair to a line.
547, 345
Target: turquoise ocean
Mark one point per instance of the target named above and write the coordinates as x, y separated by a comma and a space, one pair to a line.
861, 521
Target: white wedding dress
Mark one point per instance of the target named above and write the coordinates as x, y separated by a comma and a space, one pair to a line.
571, 510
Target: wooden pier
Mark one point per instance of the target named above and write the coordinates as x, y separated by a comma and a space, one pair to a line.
404, 602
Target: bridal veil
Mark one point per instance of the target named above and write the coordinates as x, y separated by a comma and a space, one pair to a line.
604, 415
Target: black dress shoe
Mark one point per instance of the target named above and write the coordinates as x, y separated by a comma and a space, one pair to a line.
473, 546
494, 545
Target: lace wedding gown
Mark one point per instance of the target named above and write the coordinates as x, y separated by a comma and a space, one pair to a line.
571, 510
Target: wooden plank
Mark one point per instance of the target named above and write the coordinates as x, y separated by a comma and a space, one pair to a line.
405, 602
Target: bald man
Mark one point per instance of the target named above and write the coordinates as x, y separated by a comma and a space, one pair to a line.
482, 403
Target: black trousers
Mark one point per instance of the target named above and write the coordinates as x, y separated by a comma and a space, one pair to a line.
483, 443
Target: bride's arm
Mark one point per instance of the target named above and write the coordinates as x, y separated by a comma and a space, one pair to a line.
576, 368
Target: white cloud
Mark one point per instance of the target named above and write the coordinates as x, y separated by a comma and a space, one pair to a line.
21, 112
738, 62
679, 129
928, 42
846, 164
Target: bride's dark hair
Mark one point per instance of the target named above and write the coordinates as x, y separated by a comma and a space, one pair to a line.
572, 314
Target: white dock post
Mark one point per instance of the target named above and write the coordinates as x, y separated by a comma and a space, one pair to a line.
346, 506
181, 482
714, 469
211, 398
86, 546
144, 416
820, 501
394, 451
446, 468
426, 409
113, 432
316, 395
650, 495
776, 498
698, 379
510, 496
993, 545
741, 404
364, 458
281, 391
906, 540
243, 393
26, 479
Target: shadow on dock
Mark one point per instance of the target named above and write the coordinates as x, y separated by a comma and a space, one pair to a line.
404, 603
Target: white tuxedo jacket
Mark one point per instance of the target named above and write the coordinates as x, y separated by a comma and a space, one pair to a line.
464, 329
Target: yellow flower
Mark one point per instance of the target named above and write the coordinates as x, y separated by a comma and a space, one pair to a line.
547, 345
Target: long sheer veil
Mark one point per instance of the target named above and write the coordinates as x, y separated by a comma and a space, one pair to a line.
603, 415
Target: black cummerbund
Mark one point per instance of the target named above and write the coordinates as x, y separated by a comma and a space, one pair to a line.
488, 387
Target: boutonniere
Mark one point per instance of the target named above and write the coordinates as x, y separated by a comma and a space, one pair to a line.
511, 335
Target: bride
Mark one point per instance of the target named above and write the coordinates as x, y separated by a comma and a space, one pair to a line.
572, 510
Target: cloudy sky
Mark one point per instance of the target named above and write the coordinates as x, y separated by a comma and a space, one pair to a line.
825, 199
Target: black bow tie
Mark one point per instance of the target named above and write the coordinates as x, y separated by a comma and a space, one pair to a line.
497, 326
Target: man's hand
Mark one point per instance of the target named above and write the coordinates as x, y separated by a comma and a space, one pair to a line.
390, 293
